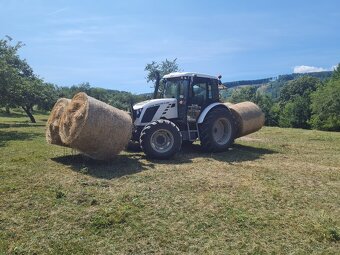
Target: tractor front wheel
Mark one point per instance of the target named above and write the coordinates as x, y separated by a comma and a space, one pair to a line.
160, 139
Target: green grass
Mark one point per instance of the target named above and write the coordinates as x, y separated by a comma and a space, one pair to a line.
276, 192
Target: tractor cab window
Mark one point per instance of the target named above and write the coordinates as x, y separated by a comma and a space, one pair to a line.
204, 91
175, 88
199, 93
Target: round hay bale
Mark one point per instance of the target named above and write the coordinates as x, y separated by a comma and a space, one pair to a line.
249, 118
95, 128
228, 104
52, 125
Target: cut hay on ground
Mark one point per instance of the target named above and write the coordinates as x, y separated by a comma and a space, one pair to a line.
52, 126
95, 128
249, 117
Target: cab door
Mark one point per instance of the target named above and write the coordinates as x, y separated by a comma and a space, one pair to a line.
182, 99
201, 94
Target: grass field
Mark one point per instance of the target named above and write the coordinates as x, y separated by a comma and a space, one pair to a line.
276, 191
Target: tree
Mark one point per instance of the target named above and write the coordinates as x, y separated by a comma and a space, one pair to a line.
268, 107
265, 102
246, 93
157, 70
326, 104
296, 113
336, 73
48, 95
302, 86
19, 86
295, 102
12, 70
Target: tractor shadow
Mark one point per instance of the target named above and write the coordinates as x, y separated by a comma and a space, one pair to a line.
129, 163
121, 165
237, 153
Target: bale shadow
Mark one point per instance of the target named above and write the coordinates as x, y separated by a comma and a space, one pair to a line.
7, 136
122, 165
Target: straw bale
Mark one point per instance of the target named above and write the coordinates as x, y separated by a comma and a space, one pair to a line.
228, 104
95, 128
52, 126
249, 117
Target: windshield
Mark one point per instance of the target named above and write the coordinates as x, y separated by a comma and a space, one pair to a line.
175, 88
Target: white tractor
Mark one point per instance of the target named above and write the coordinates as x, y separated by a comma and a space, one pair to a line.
189, 110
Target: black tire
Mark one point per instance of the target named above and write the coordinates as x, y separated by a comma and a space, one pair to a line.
218, 130
160, 139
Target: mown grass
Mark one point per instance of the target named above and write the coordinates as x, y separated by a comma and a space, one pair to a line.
276, 191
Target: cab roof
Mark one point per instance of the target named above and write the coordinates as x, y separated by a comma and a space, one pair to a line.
190, 74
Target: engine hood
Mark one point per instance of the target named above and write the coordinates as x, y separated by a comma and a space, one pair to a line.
154, 102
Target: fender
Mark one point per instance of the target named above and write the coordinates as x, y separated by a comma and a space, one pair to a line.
207, 109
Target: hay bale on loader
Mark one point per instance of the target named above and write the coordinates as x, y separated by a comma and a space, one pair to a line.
95, 128
53, 122
249, 117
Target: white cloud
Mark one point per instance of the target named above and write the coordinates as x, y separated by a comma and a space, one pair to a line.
309, 69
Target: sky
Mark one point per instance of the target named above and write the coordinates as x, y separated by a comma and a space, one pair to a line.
108, 43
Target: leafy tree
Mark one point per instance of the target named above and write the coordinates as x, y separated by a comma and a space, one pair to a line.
246, 93
157, 70
336, 73
265, 102
295, 102
48, 95
326, 105
19, 86
302, 86
269, 108
296, 113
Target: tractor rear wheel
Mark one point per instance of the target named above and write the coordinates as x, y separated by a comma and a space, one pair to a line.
160, 139
217, 132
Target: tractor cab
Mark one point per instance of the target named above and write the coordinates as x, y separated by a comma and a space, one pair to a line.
193, 91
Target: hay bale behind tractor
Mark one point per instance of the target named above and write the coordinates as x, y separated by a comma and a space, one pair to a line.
95, 128
249, 117
52, 126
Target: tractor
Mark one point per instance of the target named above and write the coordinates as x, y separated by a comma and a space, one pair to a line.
189, 110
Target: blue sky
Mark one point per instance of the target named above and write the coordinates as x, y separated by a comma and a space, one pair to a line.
108, 43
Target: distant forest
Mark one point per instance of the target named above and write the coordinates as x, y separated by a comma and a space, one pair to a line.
284, 77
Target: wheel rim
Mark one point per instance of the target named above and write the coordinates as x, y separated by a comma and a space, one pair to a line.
162, 140
222, 131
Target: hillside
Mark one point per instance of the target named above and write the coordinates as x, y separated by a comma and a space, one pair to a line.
285, 77
270, 86
276, 191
